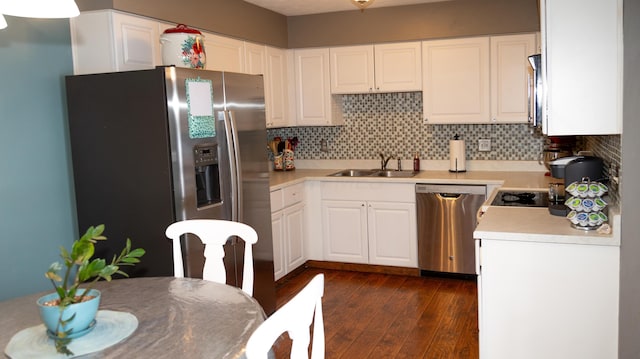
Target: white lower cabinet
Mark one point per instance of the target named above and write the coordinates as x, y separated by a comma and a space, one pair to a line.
345, 231
277, 230
392, 234
547, 300
371, 223
288, 229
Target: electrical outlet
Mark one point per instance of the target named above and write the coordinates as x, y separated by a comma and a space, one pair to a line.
484, 145
323, 146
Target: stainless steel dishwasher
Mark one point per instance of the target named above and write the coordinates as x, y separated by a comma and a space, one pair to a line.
446, 221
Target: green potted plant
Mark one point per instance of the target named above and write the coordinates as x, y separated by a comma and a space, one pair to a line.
70, 311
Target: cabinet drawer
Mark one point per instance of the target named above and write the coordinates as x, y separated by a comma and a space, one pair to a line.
277, 202
369, 191
293, 194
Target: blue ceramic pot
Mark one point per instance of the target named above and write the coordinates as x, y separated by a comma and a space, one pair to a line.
85, 314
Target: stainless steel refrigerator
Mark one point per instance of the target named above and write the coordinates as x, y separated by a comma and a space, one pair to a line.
153, 147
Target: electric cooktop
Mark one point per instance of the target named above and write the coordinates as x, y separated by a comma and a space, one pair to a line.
521, 199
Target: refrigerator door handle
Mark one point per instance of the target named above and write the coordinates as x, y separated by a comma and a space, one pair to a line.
530, 99
234, 161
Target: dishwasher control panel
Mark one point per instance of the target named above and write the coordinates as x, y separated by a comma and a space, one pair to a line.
451, 188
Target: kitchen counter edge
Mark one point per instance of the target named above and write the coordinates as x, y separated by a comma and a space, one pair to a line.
537, 225
520, 180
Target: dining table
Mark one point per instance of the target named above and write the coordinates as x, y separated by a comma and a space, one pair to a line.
167, 317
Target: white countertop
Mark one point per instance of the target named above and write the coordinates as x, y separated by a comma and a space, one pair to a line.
537, 225
500, 223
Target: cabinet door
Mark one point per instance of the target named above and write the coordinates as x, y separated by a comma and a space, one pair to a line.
584, 69
345, 231
92, 43
548, 300
223, 53
510, 75
392, 234
294, 237
255, 59
137, 44
277, 229
352, 69
314, 103
456, 80
398, 67
275, 84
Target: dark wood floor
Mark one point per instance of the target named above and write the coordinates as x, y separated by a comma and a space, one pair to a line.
372, 315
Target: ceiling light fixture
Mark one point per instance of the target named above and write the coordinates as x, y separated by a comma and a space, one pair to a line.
362, 4
3, 22
46, 9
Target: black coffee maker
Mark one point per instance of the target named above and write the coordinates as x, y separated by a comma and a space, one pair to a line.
574, 169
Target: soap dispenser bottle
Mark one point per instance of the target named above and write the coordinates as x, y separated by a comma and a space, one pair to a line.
416, 162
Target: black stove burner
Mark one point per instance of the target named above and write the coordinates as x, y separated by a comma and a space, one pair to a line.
521, 199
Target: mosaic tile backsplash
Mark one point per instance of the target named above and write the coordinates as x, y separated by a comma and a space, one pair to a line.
609, 149
392, 123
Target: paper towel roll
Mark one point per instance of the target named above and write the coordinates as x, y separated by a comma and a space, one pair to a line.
457, 162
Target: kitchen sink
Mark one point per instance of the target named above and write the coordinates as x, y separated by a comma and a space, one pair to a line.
372, 173
392, 173
353, 173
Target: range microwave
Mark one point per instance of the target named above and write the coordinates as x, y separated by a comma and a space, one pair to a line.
536, 91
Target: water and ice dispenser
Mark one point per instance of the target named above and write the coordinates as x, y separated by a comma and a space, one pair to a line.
207, 174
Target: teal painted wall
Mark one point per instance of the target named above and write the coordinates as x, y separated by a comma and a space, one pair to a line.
37, 211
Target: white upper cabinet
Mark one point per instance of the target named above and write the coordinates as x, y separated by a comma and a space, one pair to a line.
376, 68
271, 63
315, 106
477, 80
139, 42
276, 87
108, 41
583, 66
456, 80
398, 67
255, 58
352, 69
510, 75
223, 53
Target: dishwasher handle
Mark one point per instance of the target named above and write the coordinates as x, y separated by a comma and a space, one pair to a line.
450, 195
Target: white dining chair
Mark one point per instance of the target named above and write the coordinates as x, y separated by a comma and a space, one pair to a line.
214, 234
295, 318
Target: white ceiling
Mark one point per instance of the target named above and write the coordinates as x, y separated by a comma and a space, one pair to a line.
306, 7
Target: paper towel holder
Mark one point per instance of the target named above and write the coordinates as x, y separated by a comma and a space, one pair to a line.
457, 162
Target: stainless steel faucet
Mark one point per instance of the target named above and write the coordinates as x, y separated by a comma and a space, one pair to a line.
383, 161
